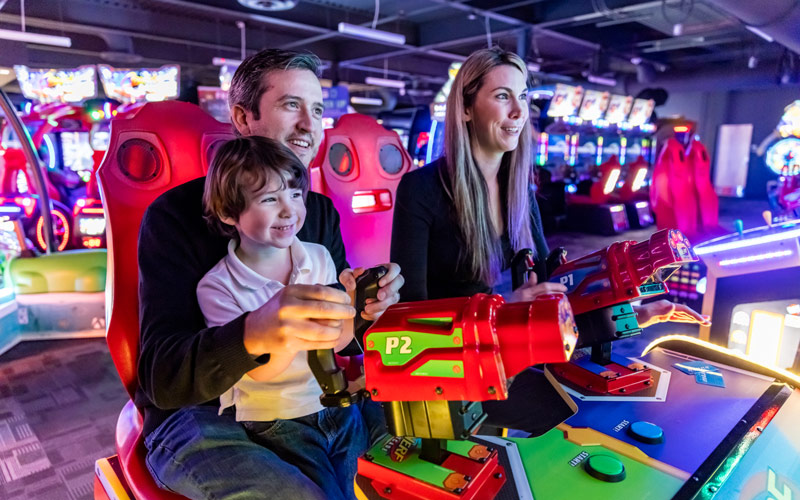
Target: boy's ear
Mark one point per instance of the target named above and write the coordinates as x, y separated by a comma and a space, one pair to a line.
228, 220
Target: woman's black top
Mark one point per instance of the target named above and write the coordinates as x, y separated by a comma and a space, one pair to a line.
428, 245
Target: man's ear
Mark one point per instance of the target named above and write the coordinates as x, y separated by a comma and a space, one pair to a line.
240, 120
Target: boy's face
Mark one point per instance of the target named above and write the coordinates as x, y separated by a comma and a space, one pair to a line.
290, 112
272, 218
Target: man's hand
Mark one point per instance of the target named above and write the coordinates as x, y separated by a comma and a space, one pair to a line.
388, 293
663, 310
533, 288
298, 318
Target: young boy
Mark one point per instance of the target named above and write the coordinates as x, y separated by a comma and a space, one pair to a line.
254, 193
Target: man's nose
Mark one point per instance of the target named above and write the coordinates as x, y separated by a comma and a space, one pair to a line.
305, 121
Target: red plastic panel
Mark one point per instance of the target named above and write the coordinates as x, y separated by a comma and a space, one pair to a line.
164, 140
673, 197
707, 200
358, 166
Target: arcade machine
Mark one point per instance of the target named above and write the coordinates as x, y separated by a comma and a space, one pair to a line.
752, 291
684, 420
358, 166
636, 160
589, 206
783, 158
59, 128
438, 108
130, 89
50, 295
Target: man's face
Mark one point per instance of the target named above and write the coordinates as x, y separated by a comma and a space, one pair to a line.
291, 112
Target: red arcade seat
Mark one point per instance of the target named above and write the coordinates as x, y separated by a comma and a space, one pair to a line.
358, 166
707, 200
672, 196
161, 146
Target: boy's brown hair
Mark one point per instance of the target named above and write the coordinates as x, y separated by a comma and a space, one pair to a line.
242, 167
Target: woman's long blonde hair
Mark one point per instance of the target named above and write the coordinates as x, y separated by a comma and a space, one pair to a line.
465, 183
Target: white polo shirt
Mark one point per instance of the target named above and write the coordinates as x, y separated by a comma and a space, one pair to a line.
230, 289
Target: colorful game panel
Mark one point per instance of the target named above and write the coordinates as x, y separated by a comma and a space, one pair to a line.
618, 108
594, 105
143, 84
565, 102
57, 85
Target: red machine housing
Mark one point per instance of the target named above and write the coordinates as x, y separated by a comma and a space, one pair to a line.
359, 166
624, 271
482, 338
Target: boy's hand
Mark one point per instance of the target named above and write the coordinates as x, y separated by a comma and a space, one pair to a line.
388, 293
298, 318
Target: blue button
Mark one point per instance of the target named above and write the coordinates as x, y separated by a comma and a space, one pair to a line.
646, 432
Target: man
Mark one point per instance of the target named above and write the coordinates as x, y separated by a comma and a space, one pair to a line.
184, 366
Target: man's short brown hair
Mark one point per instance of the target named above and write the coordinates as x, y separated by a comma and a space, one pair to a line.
248, 83
242, 167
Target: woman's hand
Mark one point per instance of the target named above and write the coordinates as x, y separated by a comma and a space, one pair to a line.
532, 289
663, 310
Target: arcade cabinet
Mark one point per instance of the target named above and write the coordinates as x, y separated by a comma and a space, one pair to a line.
752, 292
358, 166
783, 158
438, 109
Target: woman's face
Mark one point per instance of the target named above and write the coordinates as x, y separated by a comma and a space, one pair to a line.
498, 112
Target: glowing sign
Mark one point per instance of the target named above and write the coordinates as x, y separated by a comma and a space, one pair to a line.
783, 157
618, 108
144, 84
57, 85
565, 102
594, 105
764, 340
642, 109
790, 121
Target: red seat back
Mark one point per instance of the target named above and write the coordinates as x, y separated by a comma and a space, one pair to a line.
633, 187
606, 184
358, 166
707, 200
162, 145
672, 195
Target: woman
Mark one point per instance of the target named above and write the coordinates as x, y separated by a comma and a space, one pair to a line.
459, 221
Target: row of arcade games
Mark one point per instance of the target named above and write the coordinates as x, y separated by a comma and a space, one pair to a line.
593, 158
69, 126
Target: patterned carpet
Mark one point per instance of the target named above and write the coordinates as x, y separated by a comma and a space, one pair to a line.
59, 402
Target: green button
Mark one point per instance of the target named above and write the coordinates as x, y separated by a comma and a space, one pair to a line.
605, 468
646, 432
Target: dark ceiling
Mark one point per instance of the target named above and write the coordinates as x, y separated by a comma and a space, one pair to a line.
694, 44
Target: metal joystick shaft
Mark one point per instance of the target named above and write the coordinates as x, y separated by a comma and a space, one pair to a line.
329, 374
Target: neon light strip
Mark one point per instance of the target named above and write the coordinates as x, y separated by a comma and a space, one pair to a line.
770, 238
432, 135
755, 258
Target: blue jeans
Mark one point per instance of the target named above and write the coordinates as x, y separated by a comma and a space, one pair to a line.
201, 455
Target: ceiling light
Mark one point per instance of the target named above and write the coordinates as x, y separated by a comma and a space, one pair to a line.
27, 37
759, 33
366, 101
636, 60
533, 67
269, 5
371, 34
601, 80
385, 82
752, 62
677, 29
4, 71
224, 61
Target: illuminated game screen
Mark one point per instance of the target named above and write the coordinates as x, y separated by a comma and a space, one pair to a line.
565, 102
618, 108
214, 101
769, 332
594, 105
76, 152
144, 84
57, 85
641, 112
783, 157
